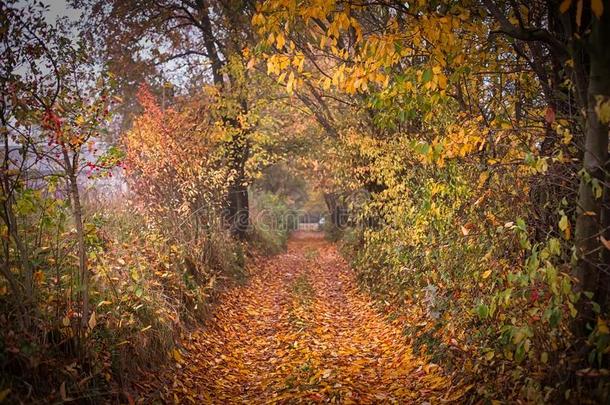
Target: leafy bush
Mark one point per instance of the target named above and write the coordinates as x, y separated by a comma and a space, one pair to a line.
272, 222
154, 261
479, 289
332, 232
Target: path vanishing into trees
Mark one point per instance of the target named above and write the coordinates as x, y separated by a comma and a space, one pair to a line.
299, 332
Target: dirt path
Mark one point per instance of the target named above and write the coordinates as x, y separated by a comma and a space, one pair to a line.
300, 331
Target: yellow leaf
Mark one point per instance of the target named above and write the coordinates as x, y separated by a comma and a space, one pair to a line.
290, 83
598, 7
271, 39
177, 356
459, 393
442, 81
519, 336
326, 84
92, 321
486, 274
281, 77
564, 225
280, 41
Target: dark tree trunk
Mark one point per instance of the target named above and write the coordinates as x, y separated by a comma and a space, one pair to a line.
336, 208
237, 212
592, 213
205, 25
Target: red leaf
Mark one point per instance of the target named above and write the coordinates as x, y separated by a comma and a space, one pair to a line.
550, 115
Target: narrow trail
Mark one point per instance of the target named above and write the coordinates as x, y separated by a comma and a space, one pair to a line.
301, 332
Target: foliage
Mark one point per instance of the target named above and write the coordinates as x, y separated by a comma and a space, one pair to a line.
86, 288
468, 157
272, 222
460, 148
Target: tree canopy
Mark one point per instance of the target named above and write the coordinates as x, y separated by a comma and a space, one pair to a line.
154, 151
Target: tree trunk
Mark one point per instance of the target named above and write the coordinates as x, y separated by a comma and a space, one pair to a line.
338, 212
205, 26
23, 298
77, 214
238, 210
82, 251
16, 291
238, 213
591, 212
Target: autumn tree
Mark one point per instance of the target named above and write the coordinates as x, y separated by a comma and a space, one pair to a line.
181, 196
204, 41
54, 106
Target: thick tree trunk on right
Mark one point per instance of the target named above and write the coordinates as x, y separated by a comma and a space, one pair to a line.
591, 211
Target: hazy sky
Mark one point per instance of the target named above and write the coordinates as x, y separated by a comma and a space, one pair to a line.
60, 8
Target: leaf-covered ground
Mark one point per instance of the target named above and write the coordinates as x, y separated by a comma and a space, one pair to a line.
300, 331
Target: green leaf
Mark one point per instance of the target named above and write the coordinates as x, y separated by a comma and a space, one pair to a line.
554, 317
427, 76
482, 311
520, 353
596, 188
596, 307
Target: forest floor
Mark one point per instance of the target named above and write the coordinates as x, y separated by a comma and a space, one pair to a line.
300, 331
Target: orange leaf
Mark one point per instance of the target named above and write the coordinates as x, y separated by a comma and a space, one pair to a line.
597, 6
565, 5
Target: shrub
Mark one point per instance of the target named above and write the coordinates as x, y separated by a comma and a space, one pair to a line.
272, 222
